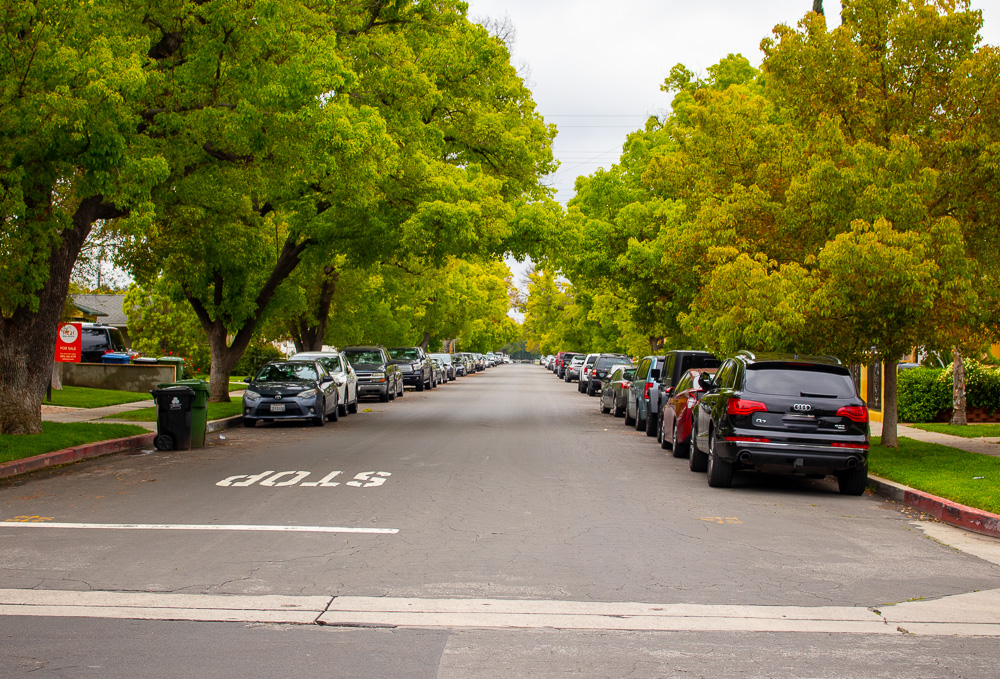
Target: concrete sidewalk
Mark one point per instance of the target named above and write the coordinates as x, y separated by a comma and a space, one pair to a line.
988, 445
64, 414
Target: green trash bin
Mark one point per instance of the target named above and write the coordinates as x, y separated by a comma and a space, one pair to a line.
175, 361
199, 408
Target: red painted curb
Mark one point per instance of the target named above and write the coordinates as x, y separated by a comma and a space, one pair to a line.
75, 454
975, 520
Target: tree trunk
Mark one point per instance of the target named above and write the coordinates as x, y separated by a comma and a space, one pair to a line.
818, 7
225, 356
28, 338
309, 337
426, 341
958, 389
890, 418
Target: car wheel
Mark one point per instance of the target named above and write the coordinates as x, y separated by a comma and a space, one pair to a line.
680, 447
664, 443
353, 407
384, 397
629, 420
698, 461
590, 389
334, 414
651, 425
853, 481
320, 418
604, 409
420, 385
720, 472
342, 407
247, 422
640, 423
400, 389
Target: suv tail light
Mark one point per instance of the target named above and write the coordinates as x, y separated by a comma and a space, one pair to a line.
854, 413
741, 406
645, 391
858, 446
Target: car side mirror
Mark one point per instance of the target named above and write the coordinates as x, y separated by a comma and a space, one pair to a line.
705, 381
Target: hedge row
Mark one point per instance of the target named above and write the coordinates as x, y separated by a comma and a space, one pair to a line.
924, 393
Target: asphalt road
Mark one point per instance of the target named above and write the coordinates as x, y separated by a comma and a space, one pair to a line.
504, 486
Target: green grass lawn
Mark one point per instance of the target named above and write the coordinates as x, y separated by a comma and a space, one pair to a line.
969, 431
59, 435
84, 397
216, 411
968, 478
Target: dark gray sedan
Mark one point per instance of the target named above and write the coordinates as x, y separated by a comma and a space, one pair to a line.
290, 390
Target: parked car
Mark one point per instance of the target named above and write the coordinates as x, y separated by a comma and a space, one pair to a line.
449, 365
588, 363
782, 414
614, 389
413, 364
643, 396
97, 339
342, 373
676, 363
440, 370
677, 412
572, 372
377, 374
594, 378
290, 390
562, 362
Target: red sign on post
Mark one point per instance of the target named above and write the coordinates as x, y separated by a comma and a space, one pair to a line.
69, 342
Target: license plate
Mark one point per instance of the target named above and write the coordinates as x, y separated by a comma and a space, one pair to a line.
277, 407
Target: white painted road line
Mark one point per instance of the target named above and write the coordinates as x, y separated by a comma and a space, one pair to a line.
207, 526
973, 614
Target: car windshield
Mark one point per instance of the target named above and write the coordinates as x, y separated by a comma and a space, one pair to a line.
605, 362
356, 357
404, 354
793, 381
287, 372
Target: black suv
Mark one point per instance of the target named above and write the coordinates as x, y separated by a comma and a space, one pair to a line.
781, 413
601, 367
415, 366
675, 364
377, 374
97, 339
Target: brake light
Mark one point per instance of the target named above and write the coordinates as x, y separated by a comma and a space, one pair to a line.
854, 413
740, 406
645, 392
747, 439
859, 446
626, 385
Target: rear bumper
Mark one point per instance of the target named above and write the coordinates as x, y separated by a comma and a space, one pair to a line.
792, 458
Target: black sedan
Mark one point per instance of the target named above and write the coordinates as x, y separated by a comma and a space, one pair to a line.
290, 390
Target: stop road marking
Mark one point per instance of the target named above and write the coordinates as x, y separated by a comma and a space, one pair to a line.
272, 479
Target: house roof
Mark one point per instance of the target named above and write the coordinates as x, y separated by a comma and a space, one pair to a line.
108, 307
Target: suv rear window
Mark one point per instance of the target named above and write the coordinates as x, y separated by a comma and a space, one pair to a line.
789, 381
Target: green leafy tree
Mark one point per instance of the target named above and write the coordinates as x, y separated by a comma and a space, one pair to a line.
160, 324
72, 84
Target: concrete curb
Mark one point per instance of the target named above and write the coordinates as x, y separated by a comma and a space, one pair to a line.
97, 449
969, 518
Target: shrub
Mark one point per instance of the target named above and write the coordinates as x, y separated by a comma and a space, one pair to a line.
922, 394
982, 385
256, 356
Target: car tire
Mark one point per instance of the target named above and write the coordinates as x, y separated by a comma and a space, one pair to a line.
247, 422
720, 472
698, 461
604, 409
393, 394
629, 420
664, 443
853, 481
681, 448
650, 426
590, 389
400, 389
640, 423
659, 429
353, 407
420, 385
618, 411
384, 398
320, 419
342, 409
334, 414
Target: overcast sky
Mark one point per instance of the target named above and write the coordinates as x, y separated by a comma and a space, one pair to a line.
595, 67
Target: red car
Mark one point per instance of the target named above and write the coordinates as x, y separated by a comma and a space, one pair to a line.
677, 419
